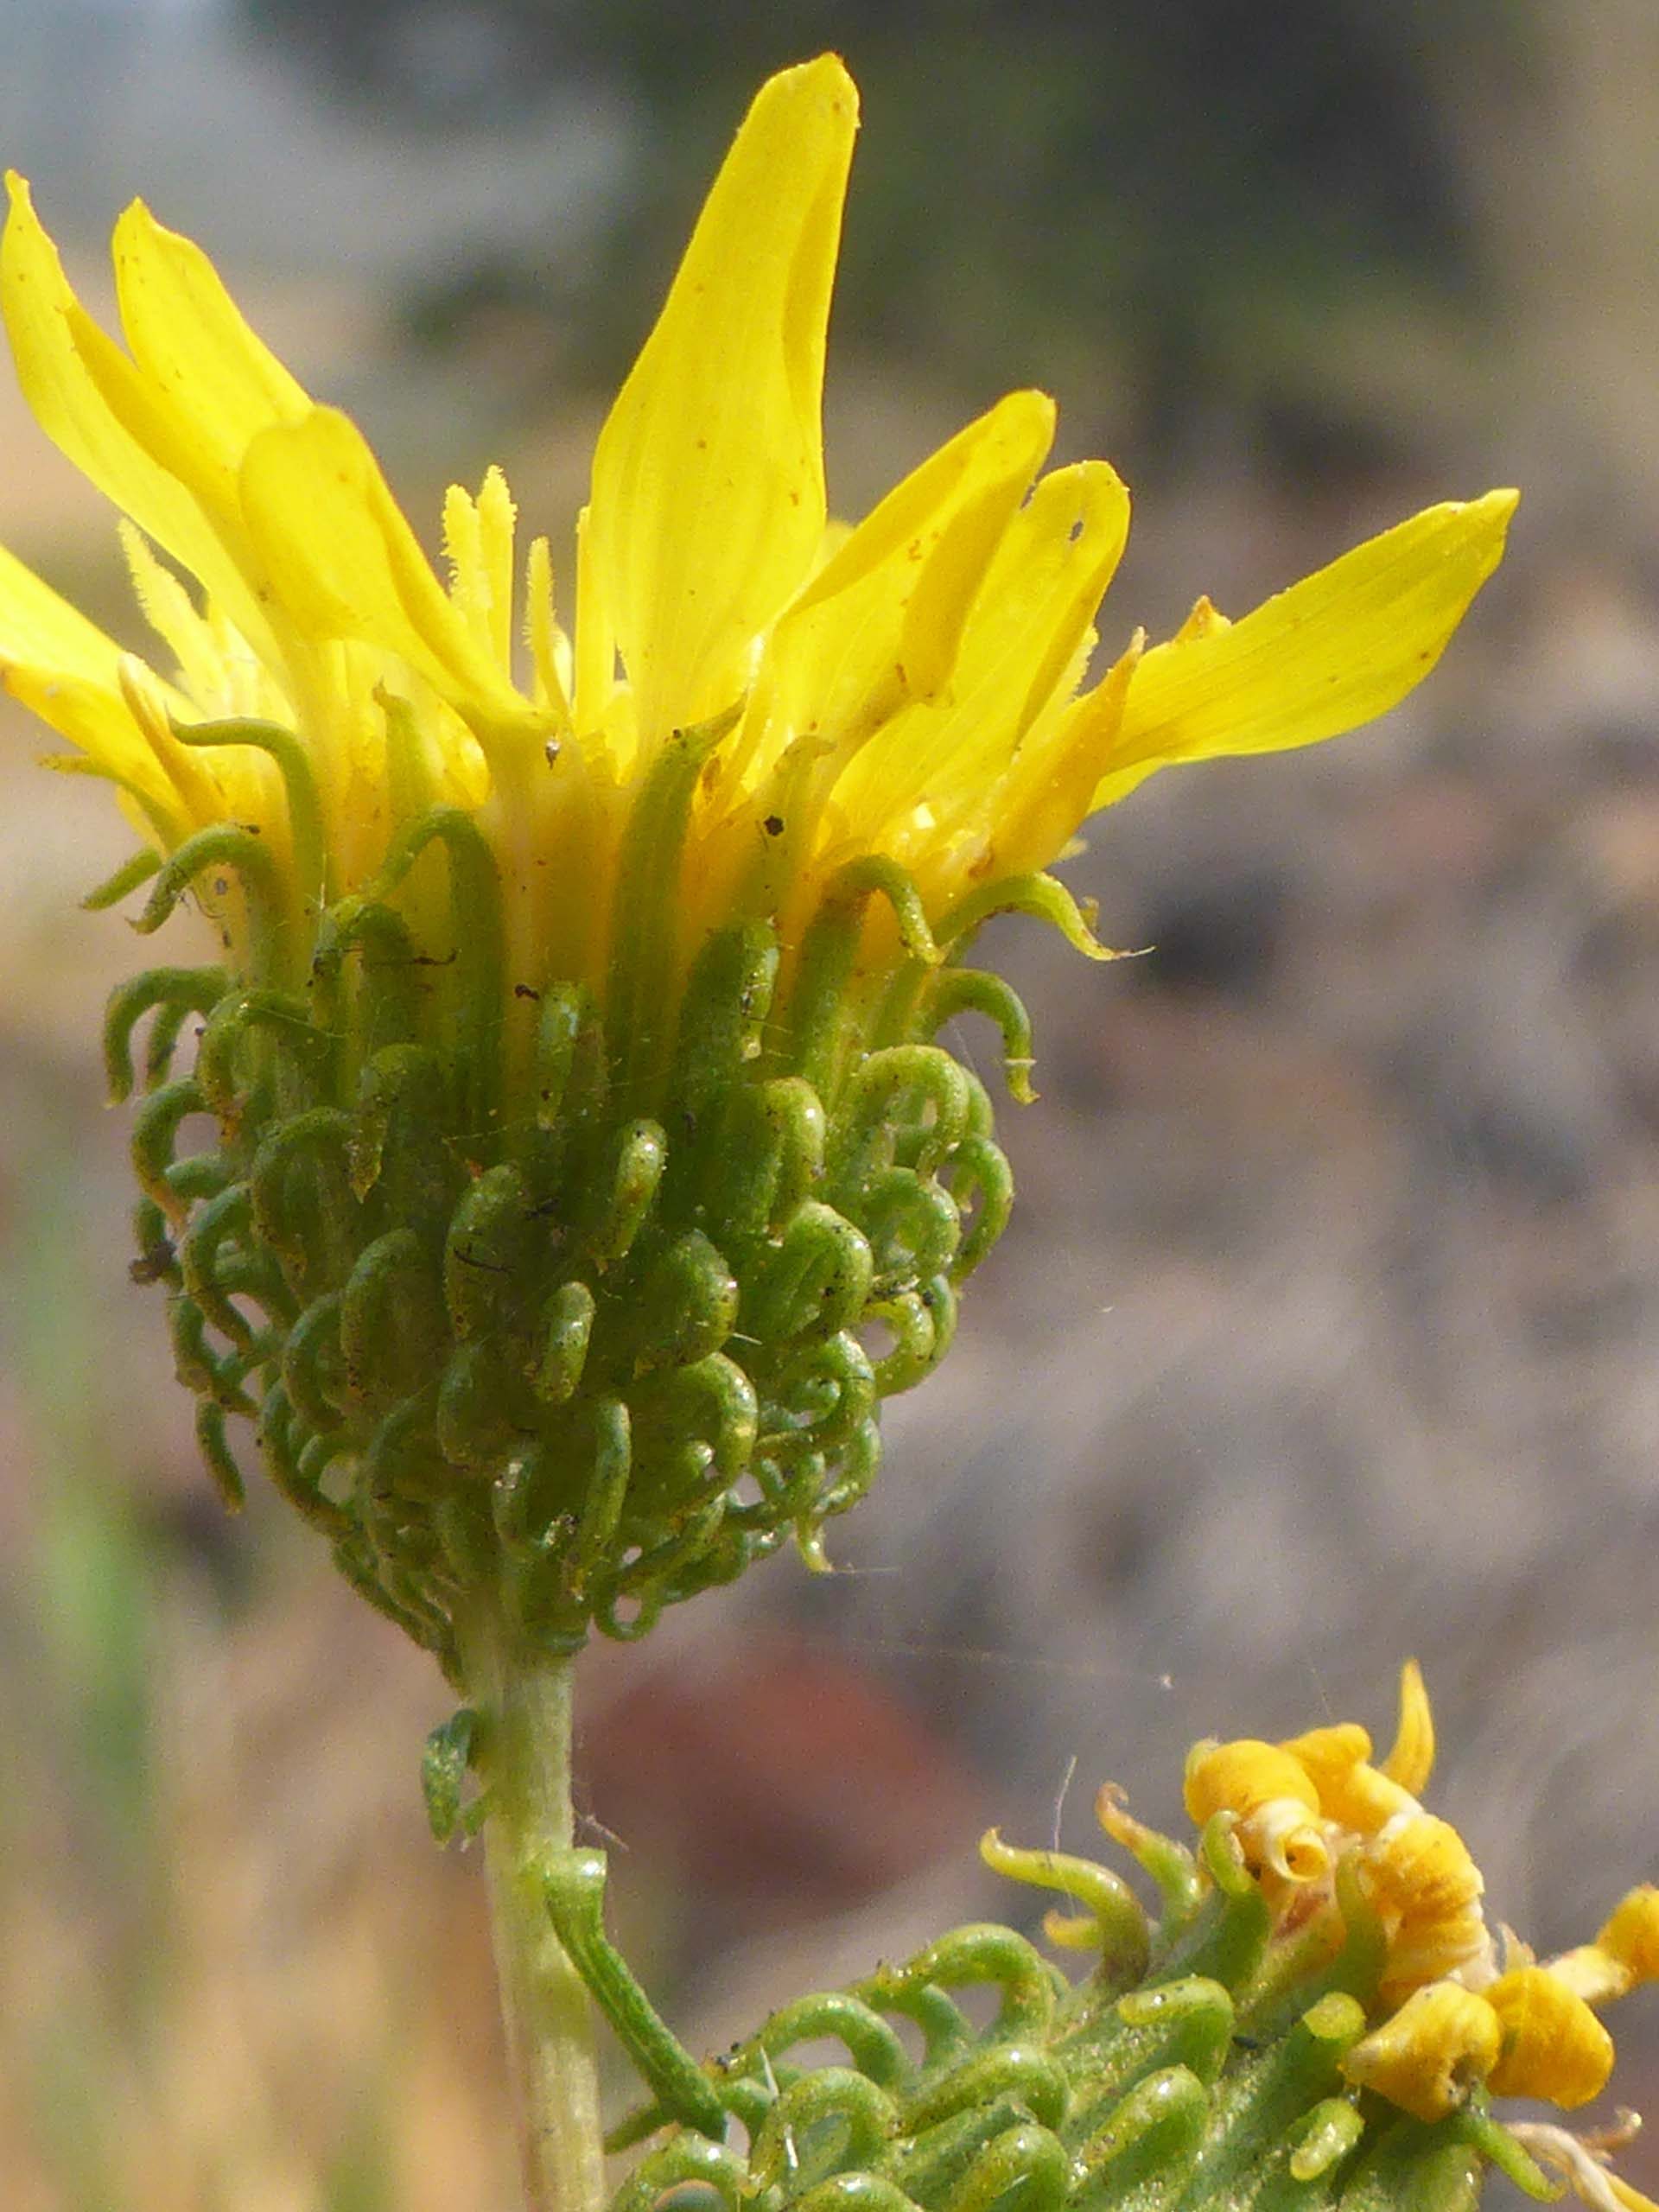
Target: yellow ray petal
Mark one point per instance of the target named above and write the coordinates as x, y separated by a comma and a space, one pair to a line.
1048, 788
835, 675
98, 723
38, 627
193, 345
594, 652
63, 669
1065, 545
1032, 619
1334, 651
708, 502
1022, 635
1411, 1757
947, 588
924, 550
1007, 442
839, 662
45, 322
345, 563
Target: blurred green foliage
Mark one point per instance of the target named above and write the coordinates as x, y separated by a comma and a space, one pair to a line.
103, 1573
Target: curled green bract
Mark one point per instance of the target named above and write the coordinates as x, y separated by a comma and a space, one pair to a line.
575, 1307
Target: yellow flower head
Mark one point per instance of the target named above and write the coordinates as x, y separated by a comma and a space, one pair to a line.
580, 1126
914, 689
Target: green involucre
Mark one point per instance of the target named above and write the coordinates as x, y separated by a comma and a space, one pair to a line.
574, 1305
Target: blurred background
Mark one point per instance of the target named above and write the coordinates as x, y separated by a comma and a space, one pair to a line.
1328, 1329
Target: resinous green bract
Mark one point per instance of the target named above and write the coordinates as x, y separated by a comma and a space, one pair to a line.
572, 1308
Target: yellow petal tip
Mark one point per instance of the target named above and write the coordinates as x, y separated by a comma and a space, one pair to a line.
827, 75
1492, 509
135, 216
1040, 410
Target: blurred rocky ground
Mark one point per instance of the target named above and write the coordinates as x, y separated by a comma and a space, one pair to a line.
1327, 1329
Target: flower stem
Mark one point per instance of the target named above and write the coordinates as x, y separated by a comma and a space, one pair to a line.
523, 1700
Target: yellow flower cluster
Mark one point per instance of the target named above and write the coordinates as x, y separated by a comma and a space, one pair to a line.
1315, 1817
912, 691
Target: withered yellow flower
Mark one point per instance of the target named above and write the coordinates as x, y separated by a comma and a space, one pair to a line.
1449, 2019
916, 688
1323, 1949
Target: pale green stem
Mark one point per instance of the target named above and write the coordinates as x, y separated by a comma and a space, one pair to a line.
523, 1700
